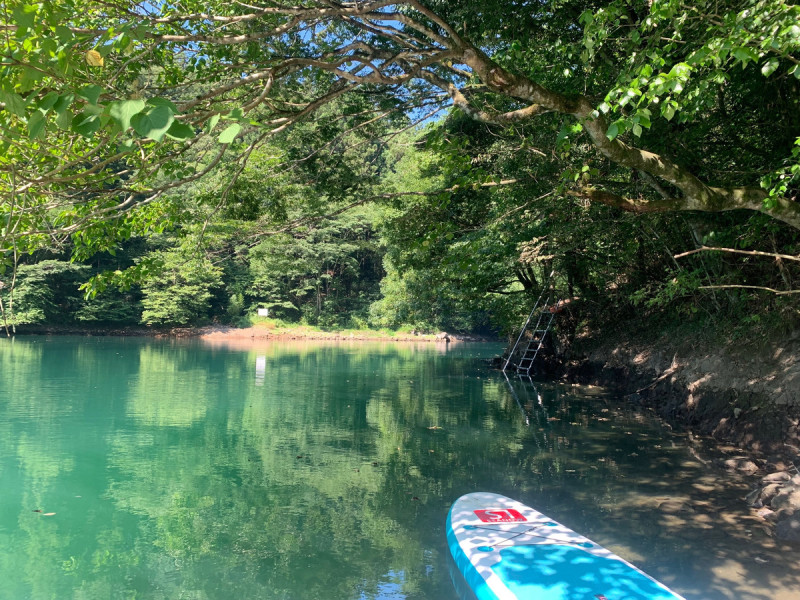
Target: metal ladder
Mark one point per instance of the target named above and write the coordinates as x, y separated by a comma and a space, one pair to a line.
532, 346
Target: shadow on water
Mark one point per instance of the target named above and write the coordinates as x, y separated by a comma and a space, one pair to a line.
654, 497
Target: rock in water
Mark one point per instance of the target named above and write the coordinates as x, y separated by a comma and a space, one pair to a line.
788, 530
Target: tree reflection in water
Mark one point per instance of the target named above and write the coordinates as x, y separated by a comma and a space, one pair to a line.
324, 470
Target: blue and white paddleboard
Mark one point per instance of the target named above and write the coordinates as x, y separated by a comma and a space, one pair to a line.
509, 551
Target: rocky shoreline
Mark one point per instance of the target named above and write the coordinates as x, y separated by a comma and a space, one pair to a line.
741, 395
777, 499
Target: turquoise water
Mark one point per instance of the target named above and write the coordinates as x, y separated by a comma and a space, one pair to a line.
137, 468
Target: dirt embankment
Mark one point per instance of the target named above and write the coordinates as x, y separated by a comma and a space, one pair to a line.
745, 393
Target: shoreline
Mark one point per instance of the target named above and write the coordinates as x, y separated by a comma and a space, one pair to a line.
255, 333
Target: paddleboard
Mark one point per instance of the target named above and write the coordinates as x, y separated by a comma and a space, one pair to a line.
509, 551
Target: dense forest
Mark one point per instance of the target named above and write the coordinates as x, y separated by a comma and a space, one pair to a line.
422, 165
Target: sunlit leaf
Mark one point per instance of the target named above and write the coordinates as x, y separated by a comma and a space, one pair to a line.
123, 111
769, 67
24, 15
229, 134
153, 123
211, 123
94, 58
64, 119
14, 102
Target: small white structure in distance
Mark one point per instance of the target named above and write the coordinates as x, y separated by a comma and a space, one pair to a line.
263, 312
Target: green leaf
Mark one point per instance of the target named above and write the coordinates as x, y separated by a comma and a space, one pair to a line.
227, 136
14, 102
153, 123
164, 102
123, 111
180, 131
745, 54
63, 103
29, 79
93, 109
770, 67
681, 70
613, 131
211, 123
64, 119
86, 124
48, 101
698, 56
637, 130
36, 125
24, 16
668, 111
64, 34
90, 93
563, 134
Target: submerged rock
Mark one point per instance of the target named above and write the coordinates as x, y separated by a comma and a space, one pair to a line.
778, 477
777, 498
788, 530
769, 492
741, 464
767, 514
787, 499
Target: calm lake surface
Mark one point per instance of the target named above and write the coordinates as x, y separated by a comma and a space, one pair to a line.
137, 468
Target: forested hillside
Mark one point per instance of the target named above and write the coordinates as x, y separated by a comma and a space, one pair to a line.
417, 164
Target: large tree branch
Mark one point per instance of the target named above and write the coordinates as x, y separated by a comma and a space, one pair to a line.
774, 255
750, 287
696, 194
395, 45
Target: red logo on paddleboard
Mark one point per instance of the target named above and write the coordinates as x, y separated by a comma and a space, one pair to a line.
500, 515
